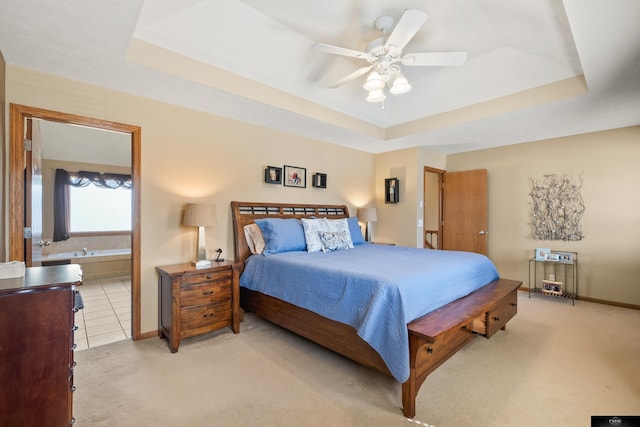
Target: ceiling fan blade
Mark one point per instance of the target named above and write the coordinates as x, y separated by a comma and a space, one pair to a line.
407, 27
336, 50
435, 59
359, 72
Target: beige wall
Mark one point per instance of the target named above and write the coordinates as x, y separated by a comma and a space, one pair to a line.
609, 254
398, 223
192, 156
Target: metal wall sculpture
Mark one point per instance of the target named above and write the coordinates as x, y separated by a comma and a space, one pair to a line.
557, 208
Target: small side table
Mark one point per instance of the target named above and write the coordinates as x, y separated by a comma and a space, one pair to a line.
195, 301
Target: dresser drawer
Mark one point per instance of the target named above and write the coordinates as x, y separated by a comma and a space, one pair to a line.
192, 279
201, 319
205, 293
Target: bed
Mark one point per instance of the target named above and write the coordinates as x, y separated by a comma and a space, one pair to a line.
382, 319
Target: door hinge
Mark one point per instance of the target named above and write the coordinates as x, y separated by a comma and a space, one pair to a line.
27, 233
27, 145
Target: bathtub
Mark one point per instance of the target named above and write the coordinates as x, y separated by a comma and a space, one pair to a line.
96, 263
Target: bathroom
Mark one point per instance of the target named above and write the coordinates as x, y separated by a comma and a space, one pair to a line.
103, 250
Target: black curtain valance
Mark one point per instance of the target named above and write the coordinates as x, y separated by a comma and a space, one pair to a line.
63, 180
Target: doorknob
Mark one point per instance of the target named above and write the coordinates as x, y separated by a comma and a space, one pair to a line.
482, 232
43, 243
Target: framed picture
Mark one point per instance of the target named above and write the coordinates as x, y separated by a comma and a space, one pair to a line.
295, 176
566, 257
552, 287
319, 180
391, 190
541, 253
273, 175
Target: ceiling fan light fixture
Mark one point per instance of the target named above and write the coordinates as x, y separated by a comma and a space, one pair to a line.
376, 96
400, 85
374, 82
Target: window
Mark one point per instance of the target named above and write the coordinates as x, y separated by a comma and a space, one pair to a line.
99, 209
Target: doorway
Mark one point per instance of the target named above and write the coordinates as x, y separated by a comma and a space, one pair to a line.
432, 212
19, 115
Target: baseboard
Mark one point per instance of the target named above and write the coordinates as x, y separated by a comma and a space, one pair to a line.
596, 300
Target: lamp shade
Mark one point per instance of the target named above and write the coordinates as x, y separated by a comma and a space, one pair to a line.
200, 215
367, 214
400, 85
376, 96
374, 82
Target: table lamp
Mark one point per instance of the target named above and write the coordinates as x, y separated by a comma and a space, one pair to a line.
201, 216
367, 215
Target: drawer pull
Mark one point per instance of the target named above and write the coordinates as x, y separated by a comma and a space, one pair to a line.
207, 292
208, 276
463, 328
429, 350
496, 318
213, 313
73, 388
513, 304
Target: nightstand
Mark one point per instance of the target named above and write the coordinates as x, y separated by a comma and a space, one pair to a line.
195, 301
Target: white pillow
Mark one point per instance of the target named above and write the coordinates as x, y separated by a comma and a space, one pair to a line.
311, 228
342, 226
254, 237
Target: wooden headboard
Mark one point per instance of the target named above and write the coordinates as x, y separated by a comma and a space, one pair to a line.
245, 213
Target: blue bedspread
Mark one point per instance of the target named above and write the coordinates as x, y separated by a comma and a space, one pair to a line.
377, 289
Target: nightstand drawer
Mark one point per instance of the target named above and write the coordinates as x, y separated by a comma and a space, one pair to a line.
191, 279
206, 293
200, 319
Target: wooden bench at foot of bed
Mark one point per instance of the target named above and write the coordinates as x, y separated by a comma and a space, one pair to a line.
437, 336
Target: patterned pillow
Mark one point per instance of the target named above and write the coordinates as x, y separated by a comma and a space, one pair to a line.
340, 225
311, 228
334, 240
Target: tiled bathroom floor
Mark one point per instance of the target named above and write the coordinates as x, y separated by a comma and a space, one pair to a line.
106, 316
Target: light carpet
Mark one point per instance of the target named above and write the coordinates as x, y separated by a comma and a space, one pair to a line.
555, 364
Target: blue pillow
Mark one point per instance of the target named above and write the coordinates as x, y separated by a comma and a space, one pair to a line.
282, 235
354, 229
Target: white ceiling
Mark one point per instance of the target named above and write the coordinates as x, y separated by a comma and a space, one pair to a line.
254, 61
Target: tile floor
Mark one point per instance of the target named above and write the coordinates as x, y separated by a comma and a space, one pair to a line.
106, 316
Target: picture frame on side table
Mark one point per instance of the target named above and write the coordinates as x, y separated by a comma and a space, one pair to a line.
295, 176
552, 287
541, 253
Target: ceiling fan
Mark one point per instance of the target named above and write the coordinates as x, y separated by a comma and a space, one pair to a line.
385, 53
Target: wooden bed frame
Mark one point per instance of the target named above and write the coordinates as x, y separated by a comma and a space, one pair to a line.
433, 338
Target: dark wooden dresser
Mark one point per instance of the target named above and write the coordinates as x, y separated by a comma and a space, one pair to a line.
37, 314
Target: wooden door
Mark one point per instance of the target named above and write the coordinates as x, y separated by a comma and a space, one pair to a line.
465, 211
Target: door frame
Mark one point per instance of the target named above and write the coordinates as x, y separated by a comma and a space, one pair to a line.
18, 114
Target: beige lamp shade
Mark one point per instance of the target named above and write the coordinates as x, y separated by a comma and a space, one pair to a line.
367, 214
200, 215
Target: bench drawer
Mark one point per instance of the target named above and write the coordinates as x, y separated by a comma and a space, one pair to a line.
432, 355
497, 316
